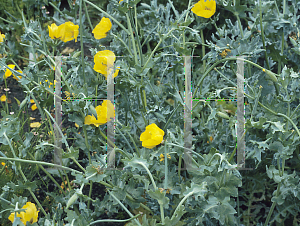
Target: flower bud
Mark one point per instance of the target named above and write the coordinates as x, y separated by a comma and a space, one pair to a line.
93, 110
77, 54
23, 103
72, 200
222, 115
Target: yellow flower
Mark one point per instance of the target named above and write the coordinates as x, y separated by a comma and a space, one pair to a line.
162, 157
53, 31
102, 116
152, 136
2, 36
35, 124
8, 72
120, 1
3, 98
30, 214
104, 60
31, 101
205, 9
68, 31
33, 107
2, 163
76, 125
100, 31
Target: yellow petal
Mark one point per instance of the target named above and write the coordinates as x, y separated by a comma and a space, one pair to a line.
76, 125
2, 36
68, 31
33, 107
100, 31
35, 124
3, 98
104, 60
205, 9
53, 31
31, 101
8, 72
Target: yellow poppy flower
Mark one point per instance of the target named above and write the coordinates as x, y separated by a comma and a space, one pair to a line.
33, 107
53, 31
68, 31
35, 124
102, 116
2, 163
30, 214
152, 137
100, 31
3, 98
76, 125
31, 101
120, 1
2, 36
205, 9
104, 60
8, 72
162, 157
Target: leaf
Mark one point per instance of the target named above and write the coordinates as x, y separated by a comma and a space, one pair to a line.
160, 197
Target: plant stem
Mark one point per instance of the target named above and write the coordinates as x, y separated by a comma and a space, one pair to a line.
181, 202
81, 42
132, 39
262, 35
203, 49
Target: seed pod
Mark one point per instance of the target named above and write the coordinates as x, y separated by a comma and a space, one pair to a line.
93, 110
72, 200
271, 75
222, 115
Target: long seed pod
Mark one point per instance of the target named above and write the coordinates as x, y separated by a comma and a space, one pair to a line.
222, 115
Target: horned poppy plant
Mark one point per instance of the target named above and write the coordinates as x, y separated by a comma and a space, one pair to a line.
102, 114
30, 214
205, 9
100, 31
152, 137
104, 61
2, 36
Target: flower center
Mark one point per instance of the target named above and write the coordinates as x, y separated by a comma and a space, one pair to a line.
206, 8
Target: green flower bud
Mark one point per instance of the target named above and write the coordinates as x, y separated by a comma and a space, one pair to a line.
76, 54
23, 103
72, 200
222, 115
93, 110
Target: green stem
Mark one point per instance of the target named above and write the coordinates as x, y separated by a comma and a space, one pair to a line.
132, 39
81, 41
57, 9
87, 16
203, 49
113, 220
126, 46
162, 214
181, 202
129, 213
179, 166
150, 175
39, 163
166, 165
262, 35
240, 25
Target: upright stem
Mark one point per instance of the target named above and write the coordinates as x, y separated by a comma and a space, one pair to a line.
132, 39
81, 41
262, 35
203, 49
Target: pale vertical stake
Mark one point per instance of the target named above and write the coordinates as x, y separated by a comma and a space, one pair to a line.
187, 114
110, 124
240, 113
58, 112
